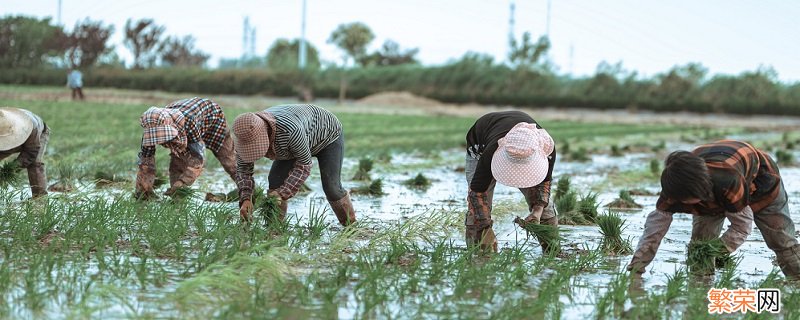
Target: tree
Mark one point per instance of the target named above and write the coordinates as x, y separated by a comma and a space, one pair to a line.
142, 38
353, 39
390, 55
282, 55
26, 42
86, 43
528, 54
181, 52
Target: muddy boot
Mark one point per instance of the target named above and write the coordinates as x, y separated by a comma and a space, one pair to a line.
789, 261
37, 179
343, 208
485, 238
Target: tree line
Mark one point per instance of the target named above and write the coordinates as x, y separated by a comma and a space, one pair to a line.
32, 49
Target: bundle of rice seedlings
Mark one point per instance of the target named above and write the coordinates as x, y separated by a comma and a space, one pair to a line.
587, 206
547, 235
703, 256
655, 167
579, 155
611, 227
420, 181
66, 175
784, 157
375, 188
625, 201
160, 181
182, 192
269, 208
9, 173
364, 167
615, 151
562, 186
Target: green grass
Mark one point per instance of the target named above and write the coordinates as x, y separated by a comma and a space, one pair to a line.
704, 256
419, 181
9, 173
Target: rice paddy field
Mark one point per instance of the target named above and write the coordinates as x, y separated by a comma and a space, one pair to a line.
89, 250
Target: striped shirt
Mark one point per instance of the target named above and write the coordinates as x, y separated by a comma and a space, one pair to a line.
204, 123
741, 176
301, 131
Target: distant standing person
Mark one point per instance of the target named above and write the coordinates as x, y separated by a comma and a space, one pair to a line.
25, 133
726, 179
511, 148
75, 82
185, 127
291, 135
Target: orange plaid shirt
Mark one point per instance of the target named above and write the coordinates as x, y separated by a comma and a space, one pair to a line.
741, 175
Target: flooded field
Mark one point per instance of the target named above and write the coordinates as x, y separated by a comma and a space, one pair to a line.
94, 252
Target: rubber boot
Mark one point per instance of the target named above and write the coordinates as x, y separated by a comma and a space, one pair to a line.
343, 208
789, 261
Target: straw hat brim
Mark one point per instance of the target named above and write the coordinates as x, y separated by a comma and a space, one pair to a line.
15, 128
517, 174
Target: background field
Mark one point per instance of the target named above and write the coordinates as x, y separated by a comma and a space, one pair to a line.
94, 252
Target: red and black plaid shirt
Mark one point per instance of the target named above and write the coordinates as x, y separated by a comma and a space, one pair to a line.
741, 176
204, 123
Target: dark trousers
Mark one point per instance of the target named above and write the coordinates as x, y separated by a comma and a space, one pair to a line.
77, 92
330, 169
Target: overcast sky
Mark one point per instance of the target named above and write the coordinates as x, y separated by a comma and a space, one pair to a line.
648, 36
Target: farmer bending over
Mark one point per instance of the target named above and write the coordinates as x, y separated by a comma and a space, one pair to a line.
186, 128
25, 133
509, 147
725, 179
290, 135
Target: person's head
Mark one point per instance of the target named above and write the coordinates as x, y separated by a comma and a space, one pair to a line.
15, 127
521, 157
685, 178
161, 127
252, 137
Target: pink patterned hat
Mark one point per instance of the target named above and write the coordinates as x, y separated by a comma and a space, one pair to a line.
521, 157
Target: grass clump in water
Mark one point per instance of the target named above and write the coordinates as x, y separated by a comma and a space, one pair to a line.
270, 209
66, 178
625, 201
375, 188
364, 167
704, 256
784, 157
655, 167
562, 187
611, 227
577, 212
9, 173
182, 193
420, 181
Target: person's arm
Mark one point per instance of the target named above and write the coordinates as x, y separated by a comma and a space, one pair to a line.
301, 170
740, 228
655, 228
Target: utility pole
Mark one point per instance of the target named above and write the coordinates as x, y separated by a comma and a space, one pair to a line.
511, 38
571, 56
301, 59
245, 37
58, 21
252, 52
547, 28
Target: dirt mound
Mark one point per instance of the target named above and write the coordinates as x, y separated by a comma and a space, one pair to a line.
398, 98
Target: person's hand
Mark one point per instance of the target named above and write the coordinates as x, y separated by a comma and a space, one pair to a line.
173, 188
274, 194
246, 211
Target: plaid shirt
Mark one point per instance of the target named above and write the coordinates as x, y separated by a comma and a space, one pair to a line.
201, 121
741, 176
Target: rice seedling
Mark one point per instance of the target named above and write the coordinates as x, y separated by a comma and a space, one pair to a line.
183, 192
316, 219
105, 178
655, 167
784, 157
66, 178
574, 211
611, 227
612, 303
660, 146
364, 167
548, 236
562, 186
9, 173
567, 202
625, 201
375, 188
231, 196
615, 151
580, 155
269, 208
704, 256
419, 181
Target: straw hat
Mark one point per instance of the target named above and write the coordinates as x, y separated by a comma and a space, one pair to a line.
159, 125
252, 138
15, 127
521, 157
